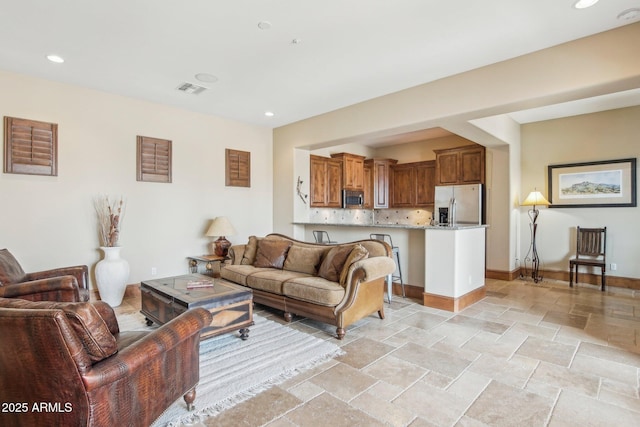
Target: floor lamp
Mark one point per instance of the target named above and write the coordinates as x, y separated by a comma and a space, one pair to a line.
535, 198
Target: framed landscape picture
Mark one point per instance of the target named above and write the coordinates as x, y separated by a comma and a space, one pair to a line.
608, 183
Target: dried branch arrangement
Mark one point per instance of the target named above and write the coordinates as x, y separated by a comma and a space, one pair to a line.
110, 216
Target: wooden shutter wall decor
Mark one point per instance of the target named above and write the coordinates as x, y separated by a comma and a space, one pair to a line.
30, 147
237, 168
154, 159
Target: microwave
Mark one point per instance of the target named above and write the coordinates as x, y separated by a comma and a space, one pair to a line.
352, 199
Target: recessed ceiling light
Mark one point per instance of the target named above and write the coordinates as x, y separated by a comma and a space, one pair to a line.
206, 77
264, 25
55, 58
269, 113
583, 4
629, 14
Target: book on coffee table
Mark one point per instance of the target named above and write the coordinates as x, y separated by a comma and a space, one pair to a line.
195, 284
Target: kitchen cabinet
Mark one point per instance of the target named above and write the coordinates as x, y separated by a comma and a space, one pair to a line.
412, 185
325, 185
462, 165
352, 170
425, 183
368, 185
379, 191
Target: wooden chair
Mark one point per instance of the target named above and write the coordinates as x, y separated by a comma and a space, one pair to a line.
591, 246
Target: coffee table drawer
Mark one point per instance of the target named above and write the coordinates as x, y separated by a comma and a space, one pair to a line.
157, 307
229, 318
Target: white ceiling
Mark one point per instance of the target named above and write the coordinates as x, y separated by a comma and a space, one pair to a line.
347, 51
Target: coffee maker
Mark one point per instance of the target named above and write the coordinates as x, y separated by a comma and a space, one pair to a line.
443, 216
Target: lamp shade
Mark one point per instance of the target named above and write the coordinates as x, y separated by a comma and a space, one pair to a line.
220, 226
535, 198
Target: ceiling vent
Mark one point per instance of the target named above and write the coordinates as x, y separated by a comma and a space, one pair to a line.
191, 88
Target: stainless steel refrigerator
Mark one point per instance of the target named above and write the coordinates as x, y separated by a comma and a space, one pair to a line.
458, 204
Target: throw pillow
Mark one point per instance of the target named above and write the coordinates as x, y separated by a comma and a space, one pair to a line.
357, 253
331, 267
92, 330
250, 251
272, 253
303, 260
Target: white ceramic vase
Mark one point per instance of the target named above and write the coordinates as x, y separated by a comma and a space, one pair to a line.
112, 273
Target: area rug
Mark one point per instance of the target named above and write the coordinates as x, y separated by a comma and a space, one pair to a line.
232, 370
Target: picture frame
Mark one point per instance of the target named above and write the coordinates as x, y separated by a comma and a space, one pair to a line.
600, 184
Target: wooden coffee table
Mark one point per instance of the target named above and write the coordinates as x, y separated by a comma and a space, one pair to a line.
230, 304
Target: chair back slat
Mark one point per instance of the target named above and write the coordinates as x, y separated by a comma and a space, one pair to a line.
591, 241
322, 237
384, 237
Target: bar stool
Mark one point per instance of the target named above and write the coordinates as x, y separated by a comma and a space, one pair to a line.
396, 252
322, 237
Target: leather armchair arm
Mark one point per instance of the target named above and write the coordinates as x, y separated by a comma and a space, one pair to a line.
172, 340
80, 272
63, 288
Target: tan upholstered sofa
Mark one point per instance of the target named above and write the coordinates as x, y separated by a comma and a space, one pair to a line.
337, 284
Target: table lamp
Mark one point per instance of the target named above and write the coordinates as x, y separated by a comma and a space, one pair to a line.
221, 227
535, 198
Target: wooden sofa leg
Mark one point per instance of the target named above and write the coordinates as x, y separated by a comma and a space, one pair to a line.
288, 317
189, 397
381, 313
340, 332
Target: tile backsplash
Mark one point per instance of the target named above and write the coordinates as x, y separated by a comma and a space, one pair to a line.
370, 217
402, 216
341, 216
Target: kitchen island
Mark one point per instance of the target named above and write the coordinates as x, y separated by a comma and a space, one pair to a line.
454, 267
448, 261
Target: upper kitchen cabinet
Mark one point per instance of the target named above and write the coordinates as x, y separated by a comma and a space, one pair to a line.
425, 183
378, 191
368, 186
352, 170
412, 185
463, 165
326, 182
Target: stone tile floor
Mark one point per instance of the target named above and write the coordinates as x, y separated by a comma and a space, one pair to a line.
526, 355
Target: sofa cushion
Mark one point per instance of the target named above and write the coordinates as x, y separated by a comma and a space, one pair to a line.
10, 269
271, 279
316, 290
272, 253
249, 255
239, 273
303, 259
357, 253
86, 322
332, 264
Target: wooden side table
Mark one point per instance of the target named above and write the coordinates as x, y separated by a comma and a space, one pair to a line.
205, 264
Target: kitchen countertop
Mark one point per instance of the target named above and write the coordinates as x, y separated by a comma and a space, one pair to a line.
403, 226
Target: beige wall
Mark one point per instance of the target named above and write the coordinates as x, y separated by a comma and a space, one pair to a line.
591, 137
50, 221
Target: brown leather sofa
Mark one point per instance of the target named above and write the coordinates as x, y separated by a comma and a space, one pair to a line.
60, 284
67, 364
